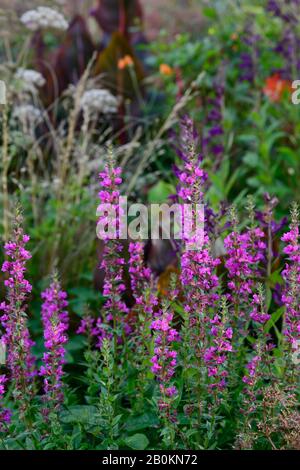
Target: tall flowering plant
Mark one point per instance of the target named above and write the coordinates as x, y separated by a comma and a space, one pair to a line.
20, 360
257, 371
143, 286
198, 267
5, 413
55, 322
219, 336
262, 345
164, 359
113, 262
291, 274
244, 252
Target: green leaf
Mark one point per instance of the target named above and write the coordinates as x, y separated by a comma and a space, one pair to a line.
209, 12
137, 441
253, 9
251, 159
147, 420
268, 298
116, 420
160, 192
83, 414
274, 318
275, 277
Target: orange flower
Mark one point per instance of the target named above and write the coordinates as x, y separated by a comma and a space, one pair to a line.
275, 86
165, 69
234, 36
126, 61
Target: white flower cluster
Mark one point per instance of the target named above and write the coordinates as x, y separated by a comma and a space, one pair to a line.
27, 114
99, 101
30, 79
44, 17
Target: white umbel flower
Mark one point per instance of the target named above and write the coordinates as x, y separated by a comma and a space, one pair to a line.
30, 79
27, 114
43, 18
99, 101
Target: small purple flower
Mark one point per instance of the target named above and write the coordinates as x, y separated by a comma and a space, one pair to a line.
93, 328
247, 67
257, 313
252, 367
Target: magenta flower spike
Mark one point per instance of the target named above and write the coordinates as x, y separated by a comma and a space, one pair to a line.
55, 322
291, 275
164, 358
20, 361
113, 262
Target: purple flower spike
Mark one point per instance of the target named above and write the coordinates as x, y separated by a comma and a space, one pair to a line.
55, 323
16, 336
